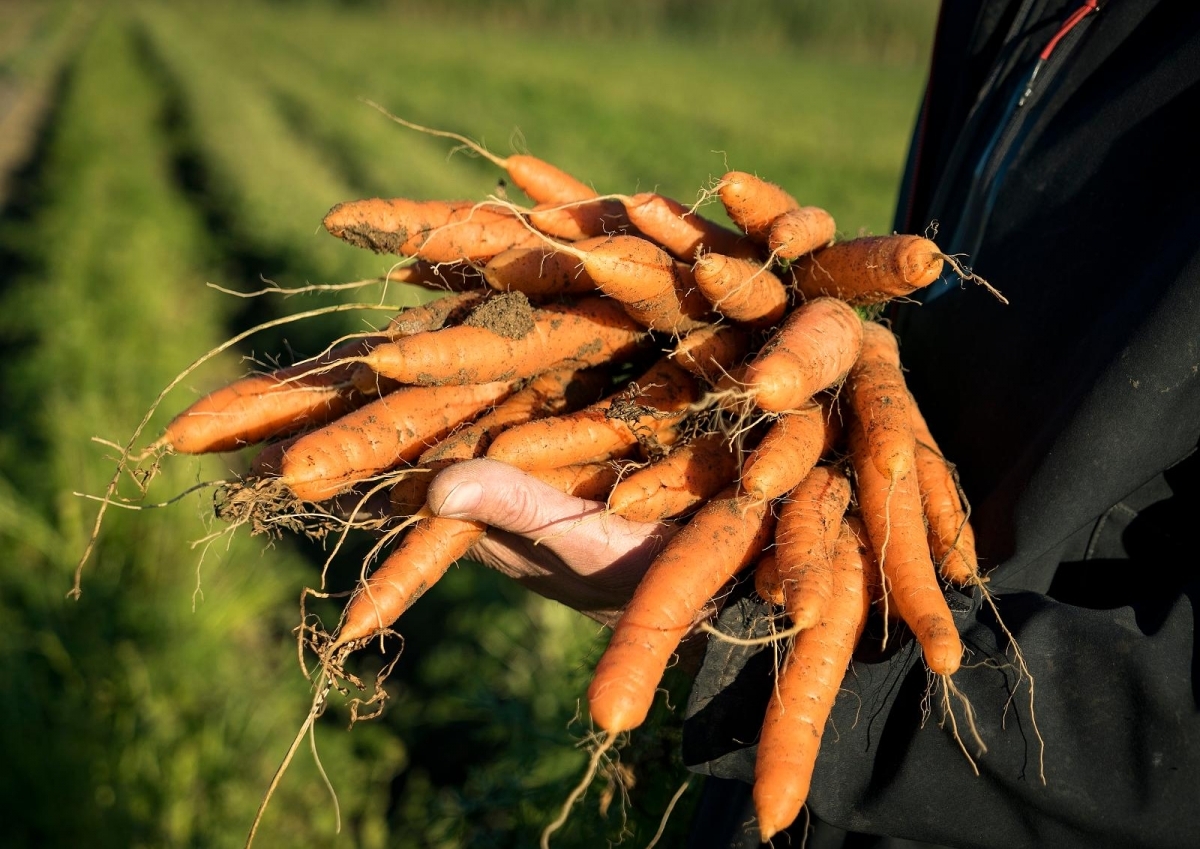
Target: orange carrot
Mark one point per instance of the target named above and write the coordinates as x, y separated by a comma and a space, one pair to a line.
390, 430
589, 332
789, 450
812, 350
753, 204
870, 269
951, 538
879, 397
684, 479
435, 231
645, 280
543, 182
434, 315
541, 271
426, 553
682, 232
725, 536
800, 231
579, 219
741, 290
710, 352
892, 513
805, 539
549, 394
261, 406
644, 413
441, 276
804, 695
766, 579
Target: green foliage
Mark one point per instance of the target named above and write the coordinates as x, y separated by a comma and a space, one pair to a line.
203, 142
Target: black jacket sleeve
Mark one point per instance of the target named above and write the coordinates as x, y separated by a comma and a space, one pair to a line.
1072, 413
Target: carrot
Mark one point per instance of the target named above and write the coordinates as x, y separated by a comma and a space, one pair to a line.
805, 539
376, 437
892, 513
789, 450
880, 399
681, 231
550, 393
541, 271
441, 276
434, 315
589, 332
804, 695
741, 290
579, 219
709, 352
645, 413
430, 548
435, 231
753, 204
870, 269
766, 579
426, 553
951, 538
543, 182
262, 406
645, 280
722, 538
684, 479
812, 350
800, 231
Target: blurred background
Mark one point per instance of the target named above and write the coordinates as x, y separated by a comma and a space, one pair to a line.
148, 150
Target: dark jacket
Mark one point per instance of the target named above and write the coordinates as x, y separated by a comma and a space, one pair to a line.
1072, 413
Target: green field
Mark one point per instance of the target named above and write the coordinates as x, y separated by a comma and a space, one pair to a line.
149, 149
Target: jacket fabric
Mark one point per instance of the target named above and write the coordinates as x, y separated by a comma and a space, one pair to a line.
1060, 163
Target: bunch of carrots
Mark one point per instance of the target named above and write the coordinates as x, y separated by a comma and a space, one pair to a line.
628, 350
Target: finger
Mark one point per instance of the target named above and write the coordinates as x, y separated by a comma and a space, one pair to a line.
581, 533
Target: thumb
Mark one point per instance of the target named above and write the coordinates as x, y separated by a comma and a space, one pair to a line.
578, 531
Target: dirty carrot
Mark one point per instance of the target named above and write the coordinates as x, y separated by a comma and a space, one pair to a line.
804, 695
869, 269
376, 437
891, 511
753, 204
812, 350
440, 276
543, 182
432, 230
805, 538
258, 407
741, 290
951, 538
644, 413
589, 332
681, 231
800, 231
541, 271
580, 219
684, 479
766, 579
876, 392
789, 450
711, 351
549, 394
725, 536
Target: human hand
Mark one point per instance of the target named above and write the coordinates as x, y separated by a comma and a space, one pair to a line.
564, 548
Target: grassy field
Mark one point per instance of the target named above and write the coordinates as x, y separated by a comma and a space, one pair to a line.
148, 149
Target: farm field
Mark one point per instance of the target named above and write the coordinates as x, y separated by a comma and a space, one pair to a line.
148, 150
